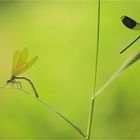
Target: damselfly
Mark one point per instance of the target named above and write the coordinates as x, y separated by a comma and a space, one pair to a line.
131, 24
20, 65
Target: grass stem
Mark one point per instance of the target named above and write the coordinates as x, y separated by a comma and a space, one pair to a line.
90, 118
62, 116
89, 127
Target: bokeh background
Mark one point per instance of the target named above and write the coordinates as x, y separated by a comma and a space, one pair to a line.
63, 35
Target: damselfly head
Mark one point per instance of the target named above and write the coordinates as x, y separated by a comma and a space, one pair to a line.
8, 81
128, 22
11, 79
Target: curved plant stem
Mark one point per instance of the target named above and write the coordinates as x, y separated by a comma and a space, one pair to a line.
54, 110
60, 114
95, 77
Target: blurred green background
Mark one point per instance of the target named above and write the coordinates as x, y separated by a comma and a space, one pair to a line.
63, 35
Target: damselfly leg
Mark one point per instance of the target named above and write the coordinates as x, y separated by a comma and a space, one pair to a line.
130, 45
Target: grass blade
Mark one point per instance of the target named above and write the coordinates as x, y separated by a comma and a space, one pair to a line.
134, 58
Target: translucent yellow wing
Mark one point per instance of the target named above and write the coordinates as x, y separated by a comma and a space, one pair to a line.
27, 65
15, 60
22, 59
25, 55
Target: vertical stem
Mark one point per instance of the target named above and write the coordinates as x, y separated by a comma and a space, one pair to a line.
95, 77
90, 118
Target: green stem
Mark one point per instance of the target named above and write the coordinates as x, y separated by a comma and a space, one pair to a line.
89, 127
62, 116
107, 83
50, 107
90, 118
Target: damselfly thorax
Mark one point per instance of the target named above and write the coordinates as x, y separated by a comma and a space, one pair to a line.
11, 80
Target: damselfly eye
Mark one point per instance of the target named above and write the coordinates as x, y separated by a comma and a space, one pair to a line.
128, 22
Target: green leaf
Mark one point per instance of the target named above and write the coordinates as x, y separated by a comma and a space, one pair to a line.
131, 60
134, 58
